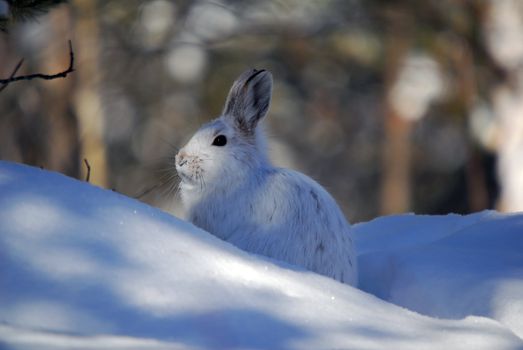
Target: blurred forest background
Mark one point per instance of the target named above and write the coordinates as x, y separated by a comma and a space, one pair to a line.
393, 106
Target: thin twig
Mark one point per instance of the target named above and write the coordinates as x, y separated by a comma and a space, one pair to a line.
88, 170
14, 72
148, 190
62, 74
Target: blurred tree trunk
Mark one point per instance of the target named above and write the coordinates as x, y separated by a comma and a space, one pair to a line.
462, 60
396, 178
62, 148
41, 125
87, 101
396, 190
503, 28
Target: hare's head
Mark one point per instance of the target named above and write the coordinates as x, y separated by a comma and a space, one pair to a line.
225, 151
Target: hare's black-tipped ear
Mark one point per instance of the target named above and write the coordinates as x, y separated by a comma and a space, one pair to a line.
249, 99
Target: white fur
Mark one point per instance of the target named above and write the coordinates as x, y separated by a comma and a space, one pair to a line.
235, 193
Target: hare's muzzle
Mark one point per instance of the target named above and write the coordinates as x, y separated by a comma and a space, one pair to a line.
181, 159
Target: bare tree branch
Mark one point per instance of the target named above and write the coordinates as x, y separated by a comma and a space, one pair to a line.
62, 74
14, 72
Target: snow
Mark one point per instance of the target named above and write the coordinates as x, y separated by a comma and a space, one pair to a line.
448, 266
87, 268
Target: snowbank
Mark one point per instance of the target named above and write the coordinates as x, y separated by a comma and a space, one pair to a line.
447, 266
86, 268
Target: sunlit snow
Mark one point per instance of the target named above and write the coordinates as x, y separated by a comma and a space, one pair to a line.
87, 268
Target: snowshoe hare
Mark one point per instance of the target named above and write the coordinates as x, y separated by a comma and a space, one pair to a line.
230, 189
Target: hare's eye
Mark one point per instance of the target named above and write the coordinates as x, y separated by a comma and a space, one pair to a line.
220, 140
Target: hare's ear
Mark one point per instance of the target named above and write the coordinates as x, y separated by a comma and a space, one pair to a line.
249, 100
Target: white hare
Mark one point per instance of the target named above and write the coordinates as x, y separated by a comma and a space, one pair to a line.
230, 189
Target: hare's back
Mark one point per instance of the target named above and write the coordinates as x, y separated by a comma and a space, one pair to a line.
308, 200
303, 226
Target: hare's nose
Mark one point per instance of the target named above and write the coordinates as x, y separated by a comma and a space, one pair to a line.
181, 158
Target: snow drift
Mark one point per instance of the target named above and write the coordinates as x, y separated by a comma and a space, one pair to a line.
86, 268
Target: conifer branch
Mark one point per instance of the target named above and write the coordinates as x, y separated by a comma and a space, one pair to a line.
23, 10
